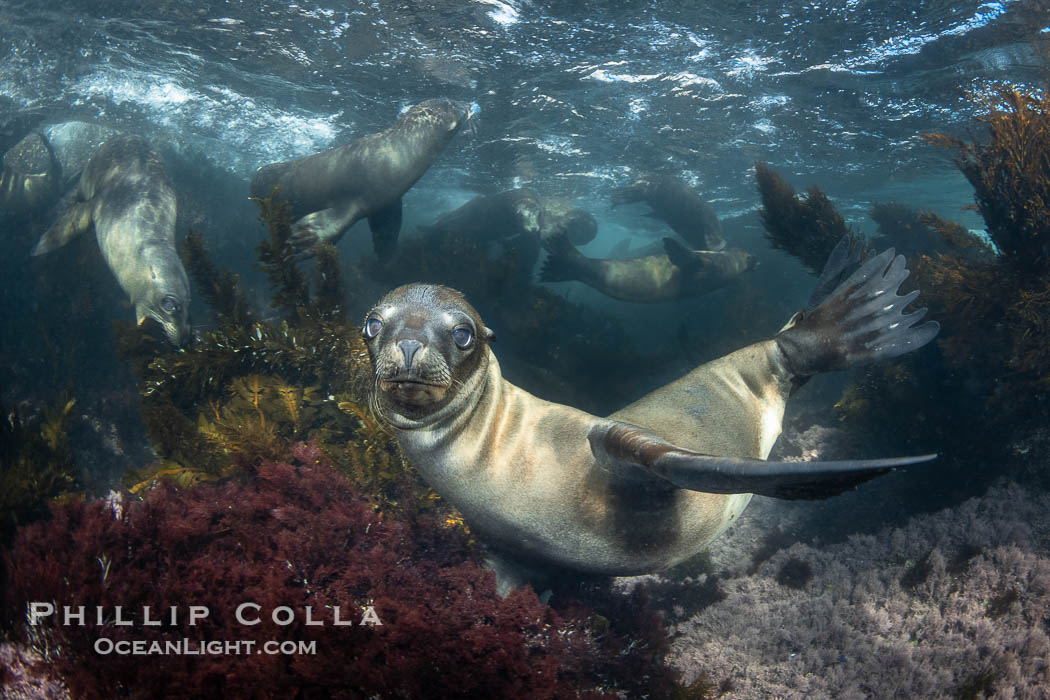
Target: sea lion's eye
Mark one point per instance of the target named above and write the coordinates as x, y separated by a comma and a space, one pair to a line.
463, 337
169, 304
372, 327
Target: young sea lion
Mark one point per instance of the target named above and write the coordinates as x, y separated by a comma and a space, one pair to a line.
125, 193
366, 178
678, 205
546, 485
680, 274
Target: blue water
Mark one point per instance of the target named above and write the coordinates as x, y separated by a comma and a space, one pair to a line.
574, 96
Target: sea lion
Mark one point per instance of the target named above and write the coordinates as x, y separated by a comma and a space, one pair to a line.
519, 213
46, 163
518, 221
125, 192
30, 177
678, 205
680, 274
329, 191
547, 486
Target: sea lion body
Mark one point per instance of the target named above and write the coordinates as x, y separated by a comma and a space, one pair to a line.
679, 206
678, 274
330, 191
126, 195
547, 485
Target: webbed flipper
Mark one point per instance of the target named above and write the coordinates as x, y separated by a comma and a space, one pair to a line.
324, 226
636, 455
862, 320
76, 220
386, 226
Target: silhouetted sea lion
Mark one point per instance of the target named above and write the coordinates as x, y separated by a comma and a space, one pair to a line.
517, 221
678, 205
126, 194
366, 178
519, 213
680, 274
29, 179
45, 163
547, 485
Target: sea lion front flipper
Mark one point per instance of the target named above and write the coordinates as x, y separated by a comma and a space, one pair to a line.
638, 456
323, 226
861, 321
76, 220
386, 226
681, 257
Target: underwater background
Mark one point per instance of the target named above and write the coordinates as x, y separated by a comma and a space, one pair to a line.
135, 474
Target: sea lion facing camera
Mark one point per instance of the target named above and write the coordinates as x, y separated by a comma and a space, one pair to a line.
329, 191
125, 193
549, 486
680, 274
678, 205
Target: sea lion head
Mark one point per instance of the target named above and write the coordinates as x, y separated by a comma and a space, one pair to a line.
167, 299
450, 115
428, 350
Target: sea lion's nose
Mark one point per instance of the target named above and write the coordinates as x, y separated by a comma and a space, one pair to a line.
408, 349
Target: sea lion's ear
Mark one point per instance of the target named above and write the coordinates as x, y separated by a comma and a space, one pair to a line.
638, 456
490, 335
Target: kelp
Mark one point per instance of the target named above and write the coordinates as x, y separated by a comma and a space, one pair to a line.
220, 288
248, 389
1006, 297
806, 226
36, 464
288, 285
1010, 174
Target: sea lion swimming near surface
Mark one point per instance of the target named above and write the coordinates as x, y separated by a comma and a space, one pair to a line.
125, 193
549, 486
330, 191
678, 205
680, 274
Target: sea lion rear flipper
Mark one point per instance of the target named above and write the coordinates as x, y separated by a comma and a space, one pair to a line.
681, 257
861, 321
76, 220
386, 226
639, 456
